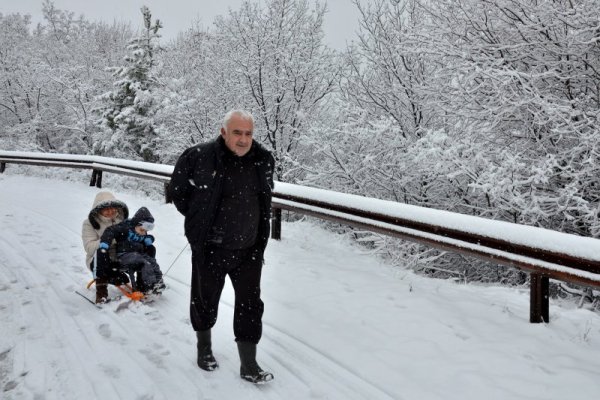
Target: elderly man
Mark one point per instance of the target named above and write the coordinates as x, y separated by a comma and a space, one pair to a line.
223, 188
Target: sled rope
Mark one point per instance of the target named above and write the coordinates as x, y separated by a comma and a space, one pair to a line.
176, 258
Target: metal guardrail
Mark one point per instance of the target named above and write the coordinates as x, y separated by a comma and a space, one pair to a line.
542, 262
97, 164
136, 169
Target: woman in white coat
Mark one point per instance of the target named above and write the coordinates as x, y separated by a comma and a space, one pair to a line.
106, 211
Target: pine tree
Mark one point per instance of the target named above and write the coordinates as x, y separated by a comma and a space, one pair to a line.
130, 107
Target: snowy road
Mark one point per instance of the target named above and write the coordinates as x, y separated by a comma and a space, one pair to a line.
338, 323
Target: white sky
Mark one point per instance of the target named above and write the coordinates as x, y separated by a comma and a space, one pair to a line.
177, 15
339, 324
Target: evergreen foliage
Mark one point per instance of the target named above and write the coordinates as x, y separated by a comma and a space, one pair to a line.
131, 106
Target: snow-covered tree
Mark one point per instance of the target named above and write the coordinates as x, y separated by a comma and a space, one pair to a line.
482, 107
129, 109
276, 55
15, 54
192, 91
51, 78
521, 77
386, 89
73, 56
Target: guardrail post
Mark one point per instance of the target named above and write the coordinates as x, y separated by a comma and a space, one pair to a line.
96, 178
168, 198
539, 310
93, 178
2, 167
276, 224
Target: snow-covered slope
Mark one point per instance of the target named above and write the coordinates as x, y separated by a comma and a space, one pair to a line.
339, 324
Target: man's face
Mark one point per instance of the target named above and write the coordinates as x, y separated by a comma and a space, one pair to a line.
238, 135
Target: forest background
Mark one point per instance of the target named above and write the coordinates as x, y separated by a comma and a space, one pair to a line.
482, 107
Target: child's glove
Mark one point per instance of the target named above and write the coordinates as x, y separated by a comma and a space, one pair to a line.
103, 247
148, 240
134, 237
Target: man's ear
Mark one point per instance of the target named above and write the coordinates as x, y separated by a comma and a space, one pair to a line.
223, 132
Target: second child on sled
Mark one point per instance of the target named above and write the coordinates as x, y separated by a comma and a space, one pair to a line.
135, 252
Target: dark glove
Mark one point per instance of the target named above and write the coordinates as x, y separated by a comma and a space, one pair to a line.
151, 251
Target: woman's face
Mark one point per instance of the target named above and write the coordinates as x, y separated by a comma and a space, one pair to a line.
109, 212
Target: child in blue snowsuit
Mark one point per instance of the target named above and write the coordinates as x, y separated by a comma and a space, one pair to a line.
135, 250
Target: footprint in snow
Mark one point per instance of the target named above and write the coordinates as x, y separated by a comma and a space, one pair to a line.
111, 371
72, 310
4, 354
154, 358
10, 385
75, 268
104, 331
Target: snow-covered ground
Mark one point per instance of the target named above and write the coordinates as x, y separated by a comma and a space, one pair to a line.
338, 324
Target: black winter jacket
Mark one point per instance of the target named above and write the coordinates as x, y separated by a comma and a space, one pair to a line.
197, 183
125, 236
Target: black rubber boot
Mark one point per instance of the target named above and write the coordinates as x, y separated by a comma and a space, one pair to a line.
206, 360
249, 370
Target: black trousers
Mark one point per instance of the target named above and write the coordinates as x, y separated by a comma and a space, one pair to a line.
209, 269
